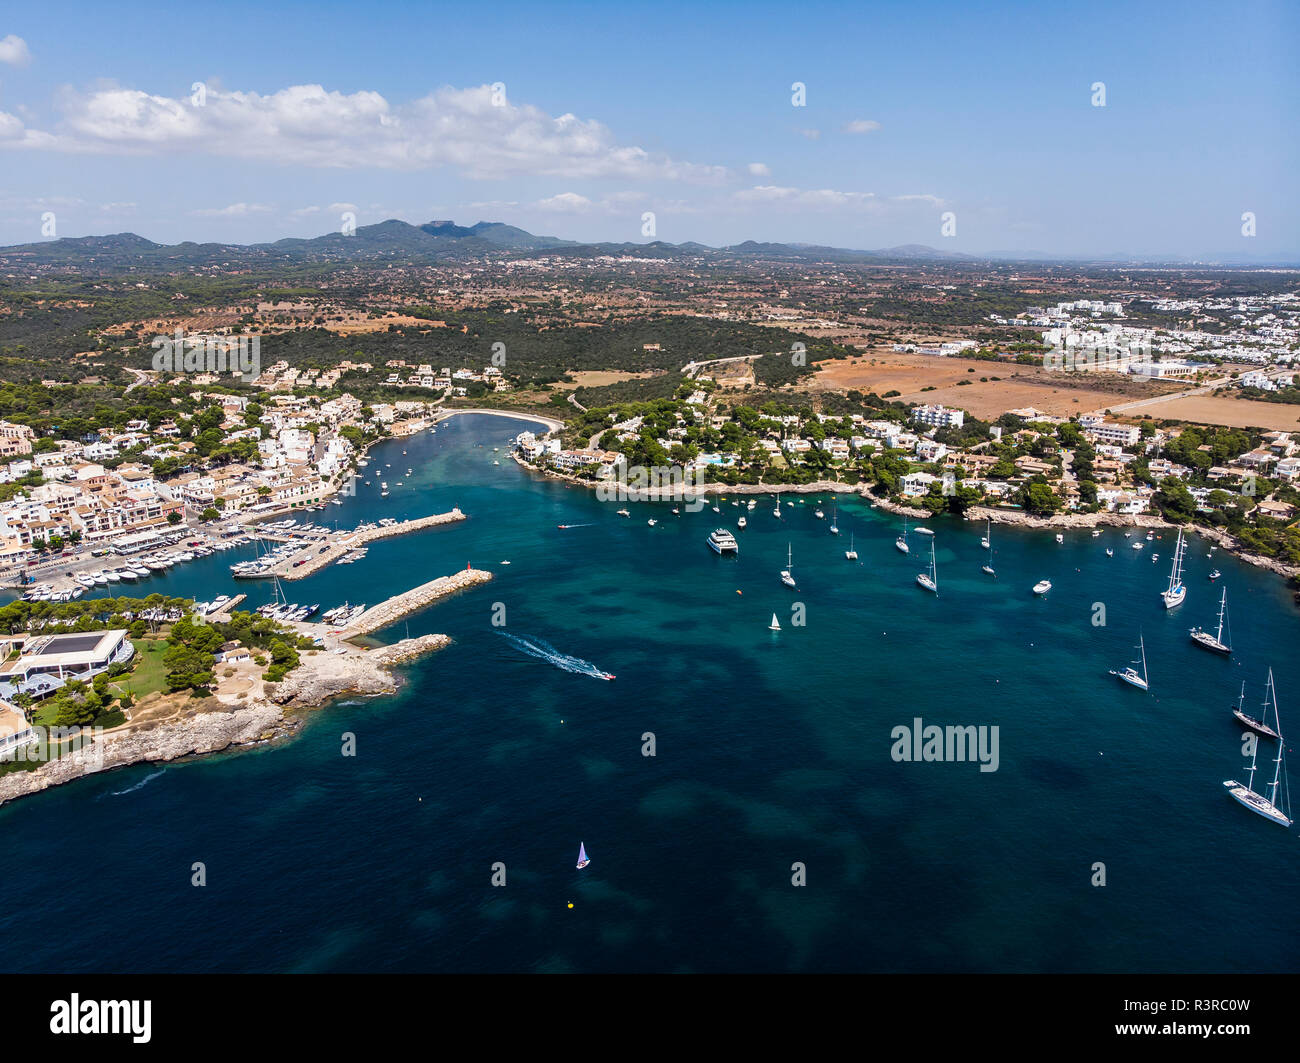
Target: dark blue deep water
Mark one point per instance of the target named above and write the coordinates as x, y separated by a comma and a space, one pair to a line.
771, 749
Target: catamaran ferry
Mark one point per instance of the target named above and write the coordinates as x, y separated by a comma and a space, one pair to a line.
722, 541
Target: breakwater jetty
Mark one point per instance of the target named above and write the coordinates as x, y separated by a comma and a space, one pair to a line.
412, 601
315, 557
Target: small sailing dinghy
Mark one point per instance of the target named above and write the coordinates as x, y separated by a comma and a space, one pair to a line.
583, 859
775, 625
1130, 674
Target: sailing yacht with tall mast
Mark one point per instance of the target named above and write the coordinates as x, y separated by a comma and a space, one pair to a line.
929, 580
988, 530
1259, 726
1268, 807
1174, 594
851, 554
835, 513
777, 511
901, 541
786, 577
1215, 642
1130, 674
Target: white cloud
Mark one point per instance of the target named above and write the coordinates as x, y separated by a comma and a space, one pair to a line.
567, 202
861, 125
817, 199
235, 210
759, 169
923, 197
811, 134
13, 50
308, 125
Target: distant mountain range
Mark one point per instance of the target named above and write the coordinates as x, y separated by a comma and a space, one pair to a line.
398, 242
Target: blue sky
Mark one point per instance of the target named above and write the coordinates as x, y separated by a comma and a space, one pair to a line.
913, 111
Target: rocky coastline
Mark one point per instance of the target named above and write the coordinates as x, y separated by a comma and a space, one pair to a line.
225, 722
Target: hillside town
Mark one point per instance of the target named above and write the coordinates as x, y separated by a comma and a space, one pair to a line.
939, 459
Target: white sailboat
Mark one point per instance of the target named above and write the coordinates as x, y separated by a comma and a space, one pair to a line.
1215, 642
988, 530
929, 580
583, 859
987, 543
1268, 807
851, 554
775, 625
835, 514
1130, 674
901, 541
777, 512
1175, 593
786, 577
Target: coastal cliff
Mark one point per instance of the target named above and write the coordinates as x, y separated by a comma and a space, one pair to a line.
242, 712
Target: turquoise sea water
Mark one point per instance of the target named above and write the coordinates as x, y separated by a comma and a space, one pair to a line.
771, 749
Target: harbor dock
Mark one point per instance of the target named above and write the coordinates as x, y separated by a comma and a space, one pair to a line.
314, 556
412, 601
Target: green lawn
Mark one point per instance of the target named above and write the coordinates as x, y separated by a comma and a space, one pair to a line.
147, 673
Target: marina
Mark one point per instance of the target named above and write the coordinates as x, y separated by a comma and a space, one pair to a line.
815, 769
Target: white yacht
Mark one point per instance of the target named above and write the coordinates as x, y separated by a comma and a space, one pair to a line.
624, 513
786, 576
741, 522
851, 554
901, 541
1176, 592
1130, 674
930, 580
722, 541
1214, 642
1268, 807
1042, 586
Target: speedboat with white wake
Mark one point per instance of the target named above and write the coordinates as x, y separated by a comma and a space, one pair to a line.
544, 651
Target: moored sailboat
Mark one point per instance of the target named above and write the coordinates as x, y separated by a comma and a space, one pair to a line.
929, 580
1259, 726
1130, 674
901, 541
786, 576
1215, 642
1269, 807
583, 859
1175, 593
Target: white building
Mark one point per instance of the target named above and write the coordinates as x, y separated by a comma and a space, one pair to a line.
938, 416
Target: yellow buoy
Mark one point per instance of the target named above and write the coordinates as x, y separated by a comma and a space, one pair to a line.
570, 904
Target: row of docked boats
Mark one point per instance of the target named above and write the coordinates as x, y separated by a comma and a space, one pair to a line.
288, 611
342, 614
